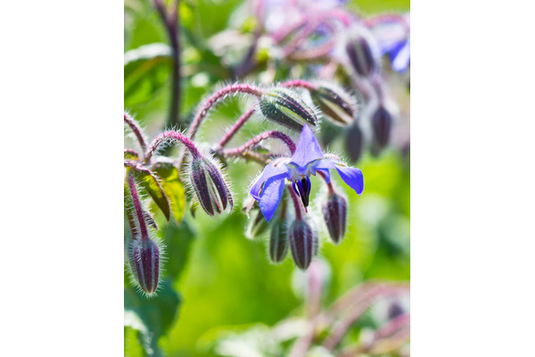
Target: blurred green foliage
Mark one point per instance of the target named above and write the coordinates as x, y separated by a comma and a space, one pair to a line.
225, 281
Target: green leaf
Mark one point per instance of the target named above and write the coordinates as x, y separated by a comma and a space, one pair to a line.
178, 240
173, 188
151, 184
146, 70
152, 318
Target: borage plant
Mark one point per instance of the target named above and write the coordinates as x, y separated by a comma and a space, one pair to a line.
281, 193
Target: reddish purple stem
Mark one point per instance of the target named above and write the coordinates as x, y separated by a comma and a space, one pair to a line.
136, 130
298, 83
216, 97
257, 139
138, 208
297, 203
171, 135
237, 126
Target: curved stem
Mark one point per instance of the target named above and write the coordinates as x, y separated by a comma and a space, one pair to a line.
298, 83
386, 18
237, 126
172, 136
136, 130
216, 97
257, 139
144, 233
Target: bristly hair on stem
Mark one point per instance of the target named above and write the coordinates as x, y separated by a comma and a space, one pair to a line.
171, 136
259, 138
136, 129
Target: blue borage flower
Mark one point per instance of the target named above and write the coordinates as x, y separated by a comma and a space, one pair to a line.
307, 160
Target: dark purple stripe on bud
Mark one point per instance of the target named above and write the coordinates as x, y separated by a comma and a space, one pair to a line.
303, 243
278, 242
334, 103
286, 108
335, 215
209, 186
361, 56
144, 262
382, 126
354, 142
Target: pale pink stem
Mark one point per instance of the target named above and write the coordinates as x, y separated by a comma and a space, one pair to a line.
237, 126
392, 326
171, 135
136, 130
298, 83
216, 97
257, 139
386, 18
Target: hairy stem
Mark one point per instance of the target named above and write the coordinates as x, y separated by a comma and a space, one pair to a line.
297, 203
237, 126
217, 97
144, 233
172, 136
259, 138
136, 130
298, 83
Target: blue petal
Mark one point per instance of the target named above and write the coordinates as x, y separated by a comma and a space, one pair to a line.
307, 149
269, 171
352, 177
271, 196
402, 58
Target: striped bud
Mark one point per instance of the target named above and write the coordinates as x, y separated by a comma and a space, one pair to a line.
354, 142
303, 243
363, 53
257, 224
335, 215
382, 126
144, 259
278, 241
286, 108
209, 186
335, 104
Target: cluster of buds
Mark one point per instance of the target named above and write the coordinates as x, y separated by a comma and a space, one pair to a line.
330, 40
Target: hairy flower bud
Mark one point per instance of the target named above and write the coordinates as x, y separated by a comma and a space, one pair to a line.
144, 259
209, 186
257, 224
382, 126
335, 104
278, 241
286, 108
335, 215
354, 142
363, 53
303, 243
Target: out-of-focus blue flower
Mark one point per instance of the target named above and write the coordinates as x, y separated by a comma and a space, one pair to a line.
307, 160
400, 54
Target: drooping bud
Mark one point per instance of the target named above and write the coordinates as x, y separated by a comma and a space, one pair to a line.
144, 259
335, 215
382, 126
335, 103
210, 187
354, 142
363, 52
286, 108
303, 243
257, 224
278, 241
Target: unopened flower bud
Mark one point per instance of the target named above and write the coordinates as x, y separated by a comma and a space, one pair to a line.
210, 187
335, 104
303, 243
144, 259
382, 126
395, 309
257, 224
363, 53
354, 142
286, 108
278, 241
335, 215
